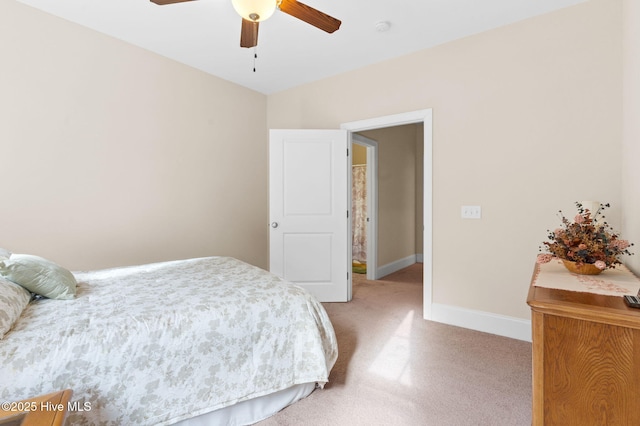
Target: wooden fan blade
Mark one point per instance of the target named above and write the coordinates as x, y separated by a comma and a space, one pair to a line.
163, 2
310, 15
249, 33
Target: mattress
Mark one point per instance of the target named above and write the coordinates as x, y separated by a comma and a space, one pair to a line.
159, 343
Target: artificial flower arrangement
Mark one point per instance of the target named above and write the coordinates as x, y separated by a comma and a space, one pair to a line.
586, 240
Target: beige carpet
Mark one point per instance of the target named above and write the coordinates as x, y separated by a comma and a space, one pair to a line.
395, 368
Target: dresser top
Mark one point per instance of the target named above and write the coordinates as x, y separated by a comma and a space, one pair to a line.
585, 305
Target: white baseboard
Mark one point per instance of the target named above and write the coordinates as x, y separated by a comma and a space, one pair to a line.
419, 257
486, 322
392, 267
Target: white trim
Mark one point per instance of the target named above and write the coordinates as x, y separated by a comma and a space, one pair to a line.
424, 116
392, 267
349, 201
419, 257
486, 322
427, 245
387, 121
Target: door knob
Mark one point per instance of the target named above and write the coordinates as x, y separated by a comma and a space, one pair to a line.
274, 224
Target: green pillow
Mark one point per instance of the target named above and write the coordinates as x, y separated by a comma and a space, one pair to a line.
38, 275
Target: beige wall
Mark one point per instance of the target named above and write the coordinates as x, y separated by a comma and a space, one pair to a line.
358, 154
113, 155
396, 192
631, 129
527, 120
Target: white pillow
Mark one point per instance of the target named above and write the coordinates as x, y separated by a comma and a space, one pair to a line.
13, 300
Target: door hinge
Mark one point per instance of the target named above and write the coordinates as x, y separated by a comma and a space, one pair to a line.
347, 214
347, 152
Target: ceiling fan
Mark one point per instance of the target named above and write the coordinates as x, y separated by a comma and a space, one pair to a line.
255, 11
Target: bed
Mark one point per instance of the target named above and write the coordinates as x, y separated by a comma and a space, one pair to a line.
198, 341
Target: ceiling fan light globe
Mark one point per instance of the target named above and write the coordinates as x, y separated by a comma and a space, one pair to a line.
255, 10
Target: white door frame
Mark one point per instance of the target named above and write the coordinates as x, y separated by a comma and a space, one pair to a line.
372, 203
426, 117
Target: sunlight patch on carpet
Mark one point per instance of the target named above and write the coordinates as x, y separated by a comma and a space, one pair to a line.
393, 361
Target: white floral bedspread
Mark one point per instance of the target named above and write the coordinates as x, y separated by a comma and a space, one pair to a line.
158, 343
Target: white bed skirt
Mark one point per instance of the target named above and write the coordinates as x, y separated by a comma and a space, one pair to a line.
253, 410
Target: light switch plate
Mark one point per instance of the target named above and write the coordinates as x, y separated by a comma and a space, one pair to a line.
471, 212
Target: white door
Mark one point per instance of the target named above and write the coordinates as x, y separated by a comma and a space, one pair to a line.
309, 203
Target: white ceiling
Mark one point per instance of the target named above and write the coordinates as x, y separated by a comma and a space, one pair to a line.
205, 34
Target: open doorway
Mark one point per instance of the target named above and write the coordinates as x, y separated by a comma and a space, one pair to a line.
364, 205
424, 117
399, 195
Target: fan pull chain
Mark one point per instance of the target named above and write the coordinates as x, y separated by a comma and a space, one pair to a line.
255, 56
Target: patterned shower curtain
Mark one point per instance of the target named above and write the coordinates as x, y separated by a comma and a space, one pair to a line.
359, 212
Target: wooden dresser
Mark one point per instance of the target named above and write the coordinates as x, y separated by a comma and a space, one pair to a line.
586, 358
45, 410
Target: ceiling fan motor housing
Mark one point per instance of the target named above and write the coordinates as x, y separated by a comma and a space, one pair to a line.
255, 11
